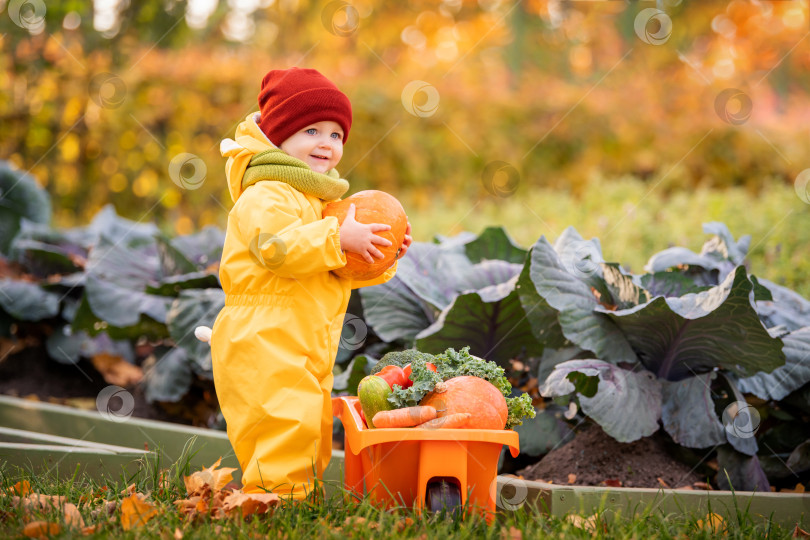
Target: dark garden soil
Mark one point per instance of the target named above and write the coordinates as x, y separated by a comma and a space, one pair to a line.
596, 459
31, 374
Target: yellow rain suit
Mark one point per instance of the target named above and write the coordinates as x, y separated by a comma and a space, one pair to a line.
274, 343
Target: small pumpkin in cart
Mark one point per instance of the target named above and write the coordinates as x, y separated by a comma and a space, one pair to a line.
474, 395
371, 206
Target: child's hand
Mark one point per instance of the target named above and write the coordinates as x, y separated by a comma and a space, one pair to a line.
406, 242
360, 238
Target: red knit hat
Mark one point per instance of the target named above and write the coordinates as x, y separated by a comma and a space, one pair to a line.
291, 99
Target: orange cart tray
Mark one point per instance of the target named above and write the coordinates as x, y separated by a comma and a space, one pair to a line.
395, 466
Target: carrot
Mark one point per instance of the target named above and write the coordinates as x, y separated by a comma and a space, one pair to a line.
400, 418
456, 420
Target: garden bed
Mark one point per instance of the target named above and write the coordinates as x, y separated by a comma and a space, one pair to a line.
593, 458
32, 374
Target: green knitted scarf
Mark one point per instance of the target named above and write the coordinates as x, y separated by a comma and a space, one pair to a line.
275, 164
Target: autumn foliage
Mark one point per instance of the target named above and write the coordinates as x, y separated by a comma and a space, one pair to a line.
560, 90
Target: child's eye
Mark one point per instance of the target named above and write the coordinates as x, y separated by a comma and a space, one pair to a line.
311, 131
338, 136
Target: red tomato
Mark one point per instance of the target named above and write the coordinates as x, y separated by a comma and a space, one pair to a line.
393, 375
407, 371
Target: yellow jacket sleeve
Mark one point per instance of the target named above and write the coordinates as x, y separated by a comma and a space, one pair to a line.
385, 276
288, 237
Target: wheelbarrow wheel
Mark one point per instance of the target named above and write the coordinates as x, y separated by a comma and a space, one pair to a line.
443, 495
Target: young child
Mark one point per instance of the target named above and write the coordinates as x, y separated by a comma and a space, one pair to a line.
274, 343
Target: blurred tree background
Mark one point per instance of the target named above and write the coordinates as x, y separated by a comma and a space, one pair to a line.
595, 102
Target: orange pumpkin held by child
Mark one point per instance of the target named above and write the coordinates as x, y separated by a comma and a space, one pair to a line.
468, 394
371, 206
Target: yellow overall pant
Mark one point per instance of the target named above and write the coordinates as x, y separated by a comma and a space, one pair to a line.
274, 343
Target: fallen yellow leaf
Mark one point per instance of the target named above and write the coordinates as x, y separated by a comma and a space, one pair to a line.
135, 511
713, 522
21, 488
41, 529
91, 529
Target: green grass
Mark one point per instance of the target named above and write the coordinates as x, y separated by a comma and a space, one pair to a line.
330, 516
634, 220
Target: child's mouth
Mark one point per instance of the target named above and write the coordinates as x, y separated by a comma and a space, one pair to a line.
320, 157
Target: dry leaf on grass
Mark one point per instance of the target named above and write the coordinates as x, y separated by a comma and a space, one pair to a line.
188, 507
249, 503
212, 476
210, 494
116, 370
43, 503
404, 524
105, 511
129, 490
166, 534
91, 529
41, 529
587, 524
21, 488
72, 516
714, 522
800, 533
135, 511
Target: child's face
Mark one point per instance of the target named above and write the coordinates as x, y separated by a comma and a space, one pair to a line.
319, 145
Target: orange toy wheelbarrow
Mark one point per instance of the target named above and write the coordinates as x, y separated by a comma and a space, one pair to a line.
432, 469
